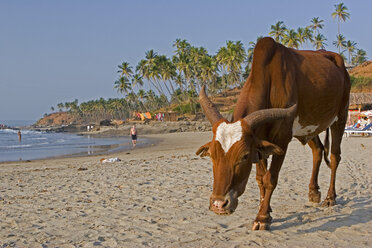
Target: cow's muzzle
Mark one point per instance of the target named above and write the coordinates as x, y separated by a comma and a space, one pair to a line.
224, 205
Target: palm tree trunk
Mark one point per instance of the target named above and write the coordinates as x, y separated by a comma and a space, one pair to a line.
161, 88
171, 85
155, 87
166, 86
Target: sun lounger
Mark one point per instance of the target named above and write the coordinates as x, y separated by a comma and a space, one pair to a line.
366, 131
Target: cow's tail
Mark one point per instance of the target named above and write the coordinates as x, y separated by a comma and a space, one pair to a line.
326, 148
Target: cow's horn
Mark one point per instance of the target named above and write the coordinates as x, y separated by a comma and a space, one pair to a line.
260, 117
209, 109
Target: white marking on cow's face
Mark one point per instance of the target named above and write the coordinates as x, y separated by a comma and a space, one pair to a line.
298, 130
229, 134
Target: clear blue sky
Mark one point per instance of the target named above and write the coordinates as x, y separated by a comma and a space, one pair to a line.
57, 51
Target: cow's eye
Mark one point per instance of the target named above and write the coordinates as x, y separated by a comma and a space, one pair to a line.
245, 157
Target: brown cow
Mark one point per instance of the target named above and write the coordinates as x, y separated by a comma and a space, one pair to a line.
289, 93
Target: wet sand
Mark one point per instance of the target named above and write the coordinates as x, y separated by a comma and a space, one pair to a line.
158, 197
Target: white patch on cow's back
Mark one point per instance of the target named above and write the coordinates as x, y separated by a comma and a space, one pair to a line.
229, 134
298, 130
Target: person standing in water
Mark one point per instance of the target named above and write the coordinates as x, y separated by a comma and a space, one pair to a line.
133, 133
19, 135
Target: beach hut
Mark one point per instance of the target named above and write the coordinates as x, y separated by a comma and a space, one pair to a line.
360, 100
170, 116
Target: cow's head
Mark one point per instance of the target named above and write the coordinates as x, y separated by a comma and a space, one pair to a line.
233, 149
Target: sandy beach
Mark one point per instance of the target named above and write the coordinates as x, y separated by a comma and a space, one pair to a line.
158, 197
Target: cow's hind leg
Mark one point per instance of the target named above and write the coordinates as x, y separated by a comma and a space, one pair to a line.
317, 149
337, 131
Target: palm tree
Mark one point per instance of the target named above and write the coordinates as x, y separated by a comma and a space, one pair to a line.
137, 80
150, 57
116, 109
67, 106
169, 73
196, 54
350, 47
152, 61
123, 103
125, 69
143, 70
182, 46
231, 58
208, 70
166, 72
146, 69
319, 41
278, 31
340, 42
308, 34
179, 81
182, 61
132, 100
199, 59
142, 96
99, 109
316, 24
122, 85
360, 57
291, 39
221, 58
151, 97
301, 36
110, 108
74, 107
60, 106
341, 14
183, 65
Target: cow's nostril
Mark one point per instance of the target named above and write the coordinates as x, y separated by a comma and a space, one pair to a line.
225, 204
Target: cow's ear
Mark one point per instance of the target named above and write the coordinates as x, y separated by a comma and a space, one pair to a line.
265, 149
204, 150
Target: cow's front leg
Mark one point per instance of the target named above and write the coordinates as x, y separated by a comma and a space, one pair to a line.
261, 169
270, 179
263, 219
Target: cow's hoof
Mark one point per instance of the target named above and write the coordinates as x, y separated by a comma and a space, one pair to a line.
257, 225
328, 202
314, 196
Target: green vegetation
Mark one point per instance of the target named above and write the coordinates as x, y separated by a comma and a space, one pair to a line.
186, 108
360, 83
96, 110
179, 78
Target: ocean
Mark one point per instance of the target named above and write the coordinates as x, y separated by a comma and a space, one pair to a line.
40, 145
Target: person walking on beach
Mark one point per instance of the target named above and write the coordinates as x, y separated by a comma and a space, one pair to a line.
19, 135
133, 133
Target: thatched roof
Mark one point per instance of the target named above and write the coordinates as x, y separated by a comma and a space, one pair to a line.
360, 98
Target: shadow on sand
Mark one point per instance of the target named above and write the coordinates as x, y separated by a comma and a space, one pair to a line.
361, 213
